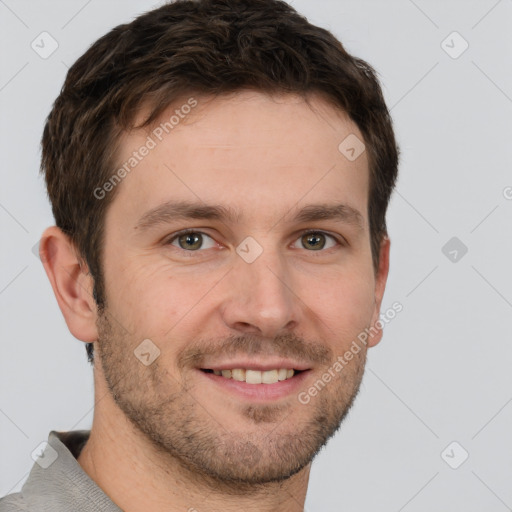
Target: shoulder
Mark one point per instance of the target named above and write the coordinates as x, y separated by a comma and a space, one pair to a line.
13, 503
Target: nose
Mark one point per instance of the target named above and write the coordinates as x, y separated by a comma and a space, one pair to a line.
260, 297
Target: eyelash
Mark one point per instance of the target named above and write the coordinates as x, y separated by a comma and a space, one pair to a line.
340, 242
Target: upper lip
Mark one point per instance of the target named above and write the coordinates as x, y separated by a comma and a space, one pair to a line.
253, 364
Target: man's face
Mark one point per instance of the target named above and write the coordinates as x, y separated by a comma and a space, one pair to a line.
256, 292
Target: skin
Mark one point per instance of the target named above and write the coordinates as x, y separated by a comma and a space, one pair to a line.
163, 436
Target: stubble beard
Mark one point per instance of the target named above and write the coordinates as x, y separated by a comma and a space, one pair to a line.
172, 418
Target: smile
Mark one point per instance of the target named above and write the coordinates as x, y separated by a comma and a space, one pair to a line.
257, 385
255, 376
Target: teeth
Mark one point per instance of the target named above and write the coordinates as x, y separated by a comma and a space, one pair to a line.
238, 375
269, 377
256, 376
282, 373
252, 377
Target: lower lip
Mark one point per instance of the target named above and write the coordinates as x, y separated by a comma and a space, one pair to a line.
259, 392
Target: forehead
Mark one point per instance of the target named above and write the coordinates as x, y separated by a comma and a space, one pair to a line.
255, 153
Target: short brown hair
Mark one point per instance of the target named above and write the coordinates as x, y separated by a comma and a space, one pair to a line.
208, 47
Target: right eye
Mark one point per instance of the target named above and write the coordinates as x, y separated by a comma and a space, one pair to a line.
191, 241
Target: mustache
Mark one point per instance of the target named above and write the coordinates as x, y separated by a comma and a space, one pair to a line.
286, 346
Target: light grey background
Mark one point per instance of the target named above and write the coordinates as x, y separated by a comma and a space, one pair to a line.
442, 372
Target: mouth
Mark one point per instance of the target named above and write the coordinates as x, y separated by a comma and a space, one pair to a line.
250, 376
256, 385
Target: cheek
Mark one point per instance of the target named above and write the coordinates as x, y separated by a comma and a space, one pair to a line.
145, 297
345, 302
157, 300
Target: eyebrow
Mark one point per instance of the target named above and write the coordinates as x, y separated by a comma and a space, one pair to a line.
172, 211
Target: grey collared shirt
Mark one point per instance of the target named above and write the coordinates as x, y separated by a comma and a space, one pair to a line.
57, 483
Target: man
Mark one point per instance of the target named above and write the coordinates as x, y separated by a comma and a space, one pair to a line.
219, 172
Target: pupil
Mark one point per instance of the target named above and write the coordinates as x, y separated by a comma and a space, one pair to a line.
315, 241
191, 241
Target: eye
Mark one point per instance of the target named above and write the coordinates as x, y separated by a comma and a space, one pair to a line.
317, 240
191, 241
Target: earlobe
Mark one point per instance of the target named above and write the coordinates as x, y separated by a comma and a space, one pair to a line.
380, 286
71, 283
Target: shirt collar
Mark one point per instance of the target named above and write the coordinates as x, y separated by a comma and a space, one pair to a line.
58, 482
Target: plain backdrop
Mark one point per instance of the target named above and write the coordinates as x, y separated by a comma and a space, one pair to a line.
441, 375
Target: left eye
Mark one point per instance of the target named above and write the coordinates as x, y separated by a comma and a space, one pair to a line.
317, 240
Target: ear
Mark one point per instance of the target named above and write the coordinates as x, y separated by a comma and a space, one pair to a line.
71, 282
380, 286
